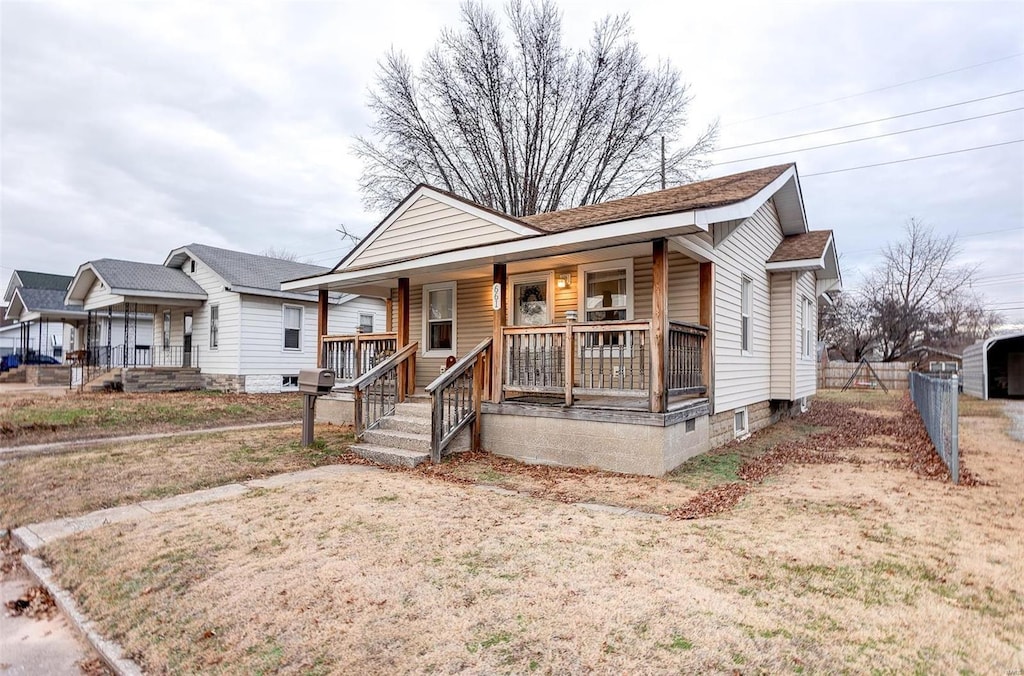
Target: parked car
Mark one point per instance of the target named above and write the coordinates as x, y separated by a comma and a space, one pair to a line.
41, 360
8, 362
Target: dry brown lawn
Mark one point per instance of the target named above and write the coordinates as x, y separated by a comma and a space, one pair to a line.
41, 417
859, 565
40, 488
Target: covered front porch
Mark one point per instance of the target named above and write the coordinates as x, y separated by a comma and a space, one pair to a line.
600, 340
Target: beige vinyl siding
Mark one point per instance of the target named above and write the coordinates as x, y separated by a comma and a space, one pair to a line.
783, 328
806, 367
683, 288
429, 226
473, 316
742, 379
226, 357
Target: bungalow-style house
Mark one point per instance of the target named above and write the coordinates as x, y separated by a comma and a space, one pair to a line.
220, 320
629, 335
35, 302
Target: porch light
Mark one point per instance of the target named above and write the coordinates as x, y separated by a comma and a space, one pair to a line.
564, 280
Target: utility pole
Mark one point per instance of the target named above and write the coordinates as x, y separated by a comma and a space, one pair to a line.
662, 162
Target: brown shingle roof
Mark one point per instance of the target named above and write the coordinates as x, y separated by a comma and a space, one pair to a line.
805, 246
703, 195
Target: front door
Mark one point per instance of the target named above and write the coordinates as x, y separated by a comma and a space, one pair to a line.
532, 304
186, 349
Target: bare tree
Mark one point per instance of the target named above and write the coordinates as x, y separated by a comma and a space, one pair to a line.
847, 325
282, 254
517, 121
907, 290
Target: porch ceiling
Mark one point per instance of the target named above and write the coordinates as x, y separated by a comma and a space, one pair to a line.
147, 303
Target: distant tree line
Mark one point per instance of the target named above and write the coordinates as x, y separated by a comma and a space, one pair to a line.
918, 295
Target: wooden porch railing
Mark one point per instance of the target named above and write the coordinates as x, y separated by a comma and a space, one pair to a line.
603, 359
378, 391
350, 356
684, 359
455, 398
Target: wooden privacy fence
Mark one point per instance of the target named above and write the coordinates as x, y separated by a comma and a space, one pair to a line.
892, 374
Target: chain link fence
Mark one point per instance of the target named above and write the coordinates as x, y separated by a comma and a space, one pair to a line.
936, 401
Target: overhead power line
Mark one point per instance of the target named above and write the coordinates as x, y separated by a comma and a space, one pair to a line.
878, 89
870, 138
914, 159
861, 124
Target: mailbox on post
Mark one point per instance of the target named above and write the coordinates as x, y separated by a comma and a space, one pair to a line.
316, 381
312, 382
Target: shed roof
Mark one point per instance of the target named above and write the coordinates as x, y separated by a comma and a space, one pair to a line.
715, 192
800, 247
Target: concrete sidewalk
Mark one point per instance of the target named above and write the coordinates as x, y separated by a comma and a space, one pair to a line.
34, 536
12, 452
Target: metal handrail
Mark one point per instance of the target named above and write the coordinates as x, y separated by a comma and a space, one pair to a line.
455, 399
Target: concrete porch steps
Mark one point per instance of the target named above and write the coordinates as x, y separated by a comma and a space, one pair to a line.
15, 375
401, 440
104, 382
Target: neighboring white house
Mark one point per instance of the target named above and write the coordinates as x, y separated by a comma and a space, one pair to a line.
44, 324
688, 316
223, 312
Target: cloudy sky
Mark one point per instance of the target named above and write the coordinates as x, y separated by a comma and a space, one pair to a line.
127, 129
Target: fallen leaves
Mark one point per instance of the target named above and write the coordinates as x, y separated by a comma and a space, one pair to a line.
35, 603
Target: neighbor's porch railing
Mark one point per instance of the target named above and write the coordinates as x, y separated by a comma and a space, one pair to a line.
91, 363
455, 398
605, 360
350, 356
377, 392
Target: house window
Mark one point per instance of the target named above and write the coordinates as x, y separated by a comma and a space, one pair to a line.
292, 327
289, 382
746, 330
167, 329
808, 329
214, 326
607, 291
192, 266
739, 423
942, 366
365, 323
439, 319
531, 299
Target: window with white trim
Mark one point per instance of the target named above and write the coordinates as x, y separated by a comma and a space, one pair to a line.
739, 423
214, 326
808, 331
167, 328
746, 324
439, 319
289, 382
292, 320
606, 295
365, 322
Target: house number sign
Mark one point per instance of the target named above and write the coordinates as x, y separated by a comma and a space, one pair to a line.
496, 296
